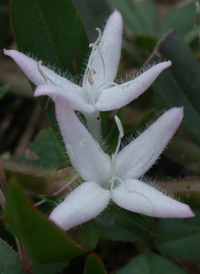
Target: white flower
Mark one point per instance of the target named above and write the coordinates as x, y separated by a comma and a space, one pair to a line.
115, 177
98, 91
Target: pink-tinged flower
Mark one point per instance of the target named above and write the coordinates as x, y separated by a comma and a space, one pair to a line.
98, 91
115, 178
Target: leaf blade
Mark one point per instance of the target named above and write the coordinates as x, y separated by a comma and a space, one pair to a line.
152, 264
53, 245
180, 84
9, 260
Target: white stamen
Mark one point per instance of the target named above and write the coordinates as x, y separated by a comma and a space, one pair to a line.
121, 134
113, 180
46, 78
119, 125
113, 157
139, 193
70, 151
98, 38
96, 49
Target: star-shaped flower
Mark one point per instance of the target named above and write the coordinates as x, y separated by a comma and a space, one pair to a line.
98, 91
115, 178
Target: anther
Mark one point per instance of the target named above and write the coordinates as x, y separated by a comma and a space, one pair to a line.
90, 78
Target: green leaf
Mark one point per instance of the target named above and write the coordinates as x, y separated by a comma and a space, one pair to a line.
4, 22
185, 153
179, 85
46, 151
93, 14
4, 90
51, 199
9, 260
180, 238
87, 235
133, 53
176, 19
51, 31
94, 265
44, 240
139, 16
48, 268
150, 263
146, 41
142, 125
121, 225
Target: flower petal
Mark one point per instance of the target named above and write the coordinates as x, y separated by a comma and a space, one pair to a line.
139, 197
81, 205
111, 48
75, 98
137, 157
86, 155
30, 67
121, 95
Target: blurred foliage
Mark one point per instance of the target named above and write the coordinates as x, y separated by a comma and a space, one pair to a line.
9, 260
176, 85
94, 265
152, 264
35, 162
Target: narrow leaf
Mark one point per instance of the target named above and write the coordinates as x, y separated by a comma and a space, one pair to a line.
51, 31
4, 90
94, 265
139, 16
45, 241
179, 85
48, 268
45, 151
176, 19
120, 225
9, 260
152, 264
180, 238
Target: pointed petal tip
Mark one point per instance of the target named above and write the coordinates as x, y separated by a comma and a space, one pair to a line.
164, 65
188, 212
184, 212
176, 114
8, 52
117, 14
115, 18
168, 63
83, 204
